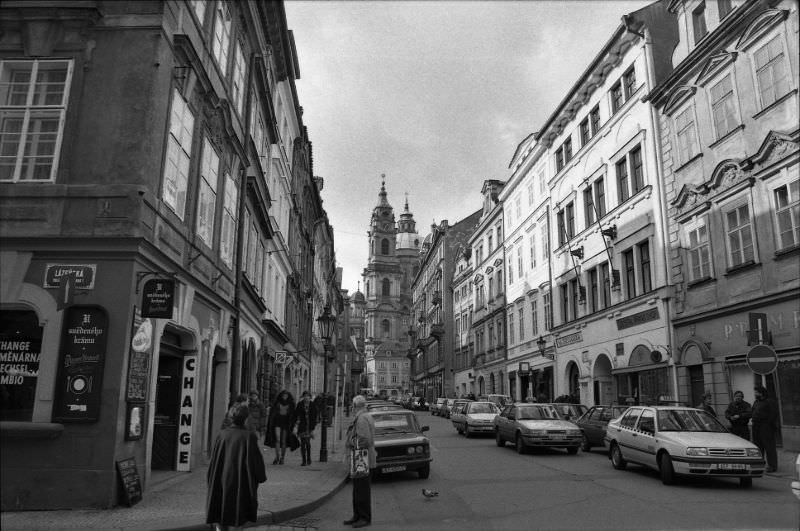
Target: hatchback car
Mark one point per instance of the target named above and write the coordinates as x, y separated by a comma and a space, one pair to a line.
400, 443
470, 418
436, 407
448, 409
540, 425
594, 422
681, 441
382, 405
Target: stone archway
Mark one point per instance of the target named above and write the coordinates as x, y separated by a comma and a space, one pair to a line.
573, 374
603, 384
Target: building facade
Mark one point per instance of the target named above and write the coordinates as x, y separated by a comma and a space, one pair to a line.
729, 137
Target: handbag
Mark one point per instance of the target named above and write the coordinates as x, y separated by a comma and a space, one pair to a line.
359, 461
292, 441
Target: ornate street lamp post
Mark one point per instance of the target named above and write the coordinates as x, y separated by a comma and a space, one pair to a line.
326, 323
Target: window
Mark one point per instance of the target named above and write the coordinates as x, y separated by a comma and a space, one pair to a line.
199, 7
771, 72
519, 261
20, 328
384, 246
594, 119
699, 22
532, 241
386, 329
565, 309
489, 240
386, 287
629, 80
179, 153
630, 274
593, 291
616, 97
588, 206
560, 158
787, 214
518, 204
522, 324
491, 335
511, 339
644, 267
600, 197
570, 220
605, 282
499, 333
207, 200
535, 318
586, 132
227, 242
33, 105
222, 36
723, 107
510, 271
567, 149
622, 180
530, 194
542, 182
740, 235
545, 244
238, 78
636, 169
686, 133
548, 316
491, 288
566, 223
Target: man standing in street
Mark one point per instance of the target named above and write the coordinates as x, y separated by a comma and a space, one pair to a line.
765, 422
738, 414
705, 405
361, 432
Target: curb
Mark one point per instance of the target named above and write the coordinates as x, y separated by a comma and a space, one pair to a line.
275, 517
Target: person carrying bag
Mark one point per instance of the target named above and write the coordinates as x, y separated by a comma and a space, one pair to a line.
361, 453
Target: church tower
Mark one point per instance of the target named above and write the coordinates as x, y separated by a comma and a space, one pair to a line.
393, 253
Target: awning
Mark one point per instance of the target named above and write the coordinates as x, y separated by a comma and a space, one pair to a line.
640, 368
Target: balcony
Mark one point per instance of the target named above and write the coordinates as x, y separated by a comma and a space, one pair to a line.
437, 330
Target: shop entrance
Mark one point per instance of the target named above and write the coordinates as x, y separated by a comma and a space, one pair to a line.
167, 405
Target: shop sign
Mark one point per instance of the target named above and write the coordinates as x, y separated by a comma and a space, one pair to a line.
563, 341
158, 296
79, 383
84, 275
139, 361
637, 319
188, 383
20, 353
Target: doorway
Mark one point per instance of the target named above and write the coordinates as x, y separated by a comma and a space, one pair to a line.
167, 407
696, 384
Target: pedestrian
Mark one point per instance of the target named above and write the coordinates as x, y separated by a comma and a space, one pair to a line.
305, 415
279, 424
705, 405
765, 422
239, 399
234, 473
257, 423
362, 433
319, 404
738, 414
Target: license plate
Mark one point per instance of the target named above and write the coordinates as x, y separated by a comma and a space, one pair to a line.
731, 466
398, 468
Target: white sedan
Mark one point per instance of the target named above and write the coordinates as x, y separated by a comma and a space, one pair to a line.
681, 441
474, 417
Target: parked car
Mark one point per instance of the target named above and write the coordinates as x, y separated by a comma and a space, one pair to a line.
499, 400
796, 482
450, 405
436, 407
594, 422
528, 425
681, 441
570, 411
470, 418
400, 443
382, 405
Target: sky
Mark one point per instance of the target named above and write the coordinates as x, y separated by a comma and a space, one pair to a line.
435, 95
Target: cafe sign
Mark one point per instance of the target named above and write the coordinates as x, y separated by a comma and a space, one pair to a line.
158, 298
84, 275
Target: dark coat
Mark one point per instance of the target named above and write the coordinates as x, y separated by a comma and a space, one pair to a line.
234, 472
739, 425
305, 418
765, 412
281, 414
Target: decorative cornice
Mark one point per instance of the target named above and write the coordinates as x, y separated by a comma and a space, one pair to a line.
758, 27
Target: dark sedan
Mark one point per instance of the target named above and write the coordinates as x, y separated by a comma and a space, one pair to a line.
400, 443
594, 422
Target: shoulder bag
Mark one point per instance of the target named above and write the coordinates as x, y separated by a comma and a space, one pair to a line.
359, 461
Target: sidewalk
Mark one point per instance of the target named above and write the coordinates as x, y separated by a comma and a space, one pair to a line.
177, 500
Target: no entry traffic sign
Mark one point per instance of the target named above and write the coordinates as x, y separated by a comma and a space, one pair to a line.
762, 359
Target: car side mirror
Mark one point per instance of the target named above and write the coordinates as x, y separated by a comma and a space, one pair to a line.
425, 428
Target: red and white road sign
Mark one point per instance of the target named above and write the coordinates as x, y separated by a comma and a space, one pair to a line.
762, 359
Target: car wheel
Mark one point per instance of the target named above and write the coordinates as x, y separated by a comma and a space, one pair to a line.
424, 472
617, 461
572, 450
519, 444
745, 483
497, 439
467, 433
585, 444
667, 471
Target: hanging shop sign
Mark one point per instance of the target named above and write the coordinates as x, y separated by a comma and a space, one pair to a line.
188, 394
84, 275
158, 297
80, 369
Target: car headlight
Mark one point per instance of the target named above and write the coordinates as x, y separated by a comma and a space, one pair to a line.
697, 451
573, 432
753, 452
411, 450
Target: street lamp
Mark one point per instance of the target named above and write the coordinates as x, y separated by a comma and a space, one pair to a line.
326, 323
542, 344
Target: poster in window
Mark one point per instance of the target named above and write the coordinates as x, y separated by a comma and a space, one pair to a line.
79, 383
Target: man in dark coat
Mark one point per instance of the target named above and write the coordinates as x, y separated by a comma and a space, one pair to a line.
738, 414
765, 422
234, 472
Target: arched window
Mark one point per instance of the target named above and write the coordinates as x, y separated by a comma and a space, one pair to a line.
386, 328
386, 288
385, 246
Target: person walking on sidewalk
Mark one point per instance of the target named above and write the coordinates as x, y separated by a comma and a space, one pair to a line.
361, 432
765, 422
738, 414
279, 424
227, 422
305, 420
234, 473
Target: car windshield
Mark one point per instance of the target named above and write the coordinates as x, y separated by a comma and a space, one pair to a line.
483, 408
688, 420
536, 413
387, 423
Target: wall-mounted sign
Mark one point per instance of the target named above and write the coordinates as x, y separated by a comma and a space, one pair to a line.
637, 319
84, 275
158, 296
187, 410
139, 361
79, 383
134, 420
569, 339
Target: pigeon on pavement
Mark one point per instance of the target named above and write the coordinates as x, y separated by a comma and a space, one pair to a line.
430, 493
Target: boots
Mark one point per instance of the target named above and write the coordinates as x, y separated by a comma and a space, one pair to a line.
283, 454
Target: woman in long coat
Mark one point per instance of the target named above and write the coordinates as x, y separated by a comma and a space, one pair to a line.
234, 472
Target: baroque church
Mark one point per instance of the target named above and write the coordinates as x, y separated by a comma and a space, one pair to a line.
393, 262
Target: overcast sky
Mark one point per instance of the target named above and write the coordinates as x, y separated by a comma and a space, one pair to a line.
437, 95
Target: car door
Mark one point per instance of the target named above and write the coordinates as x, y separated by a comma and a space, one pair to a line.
623, 432
504, 419
590, 425
644, 446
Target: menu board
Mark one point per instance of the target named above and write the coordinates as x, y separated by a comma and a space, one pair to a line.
131, 491
139, 360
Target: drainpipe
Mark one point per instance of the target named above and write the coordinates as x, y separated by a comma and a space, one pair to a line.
661, 210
